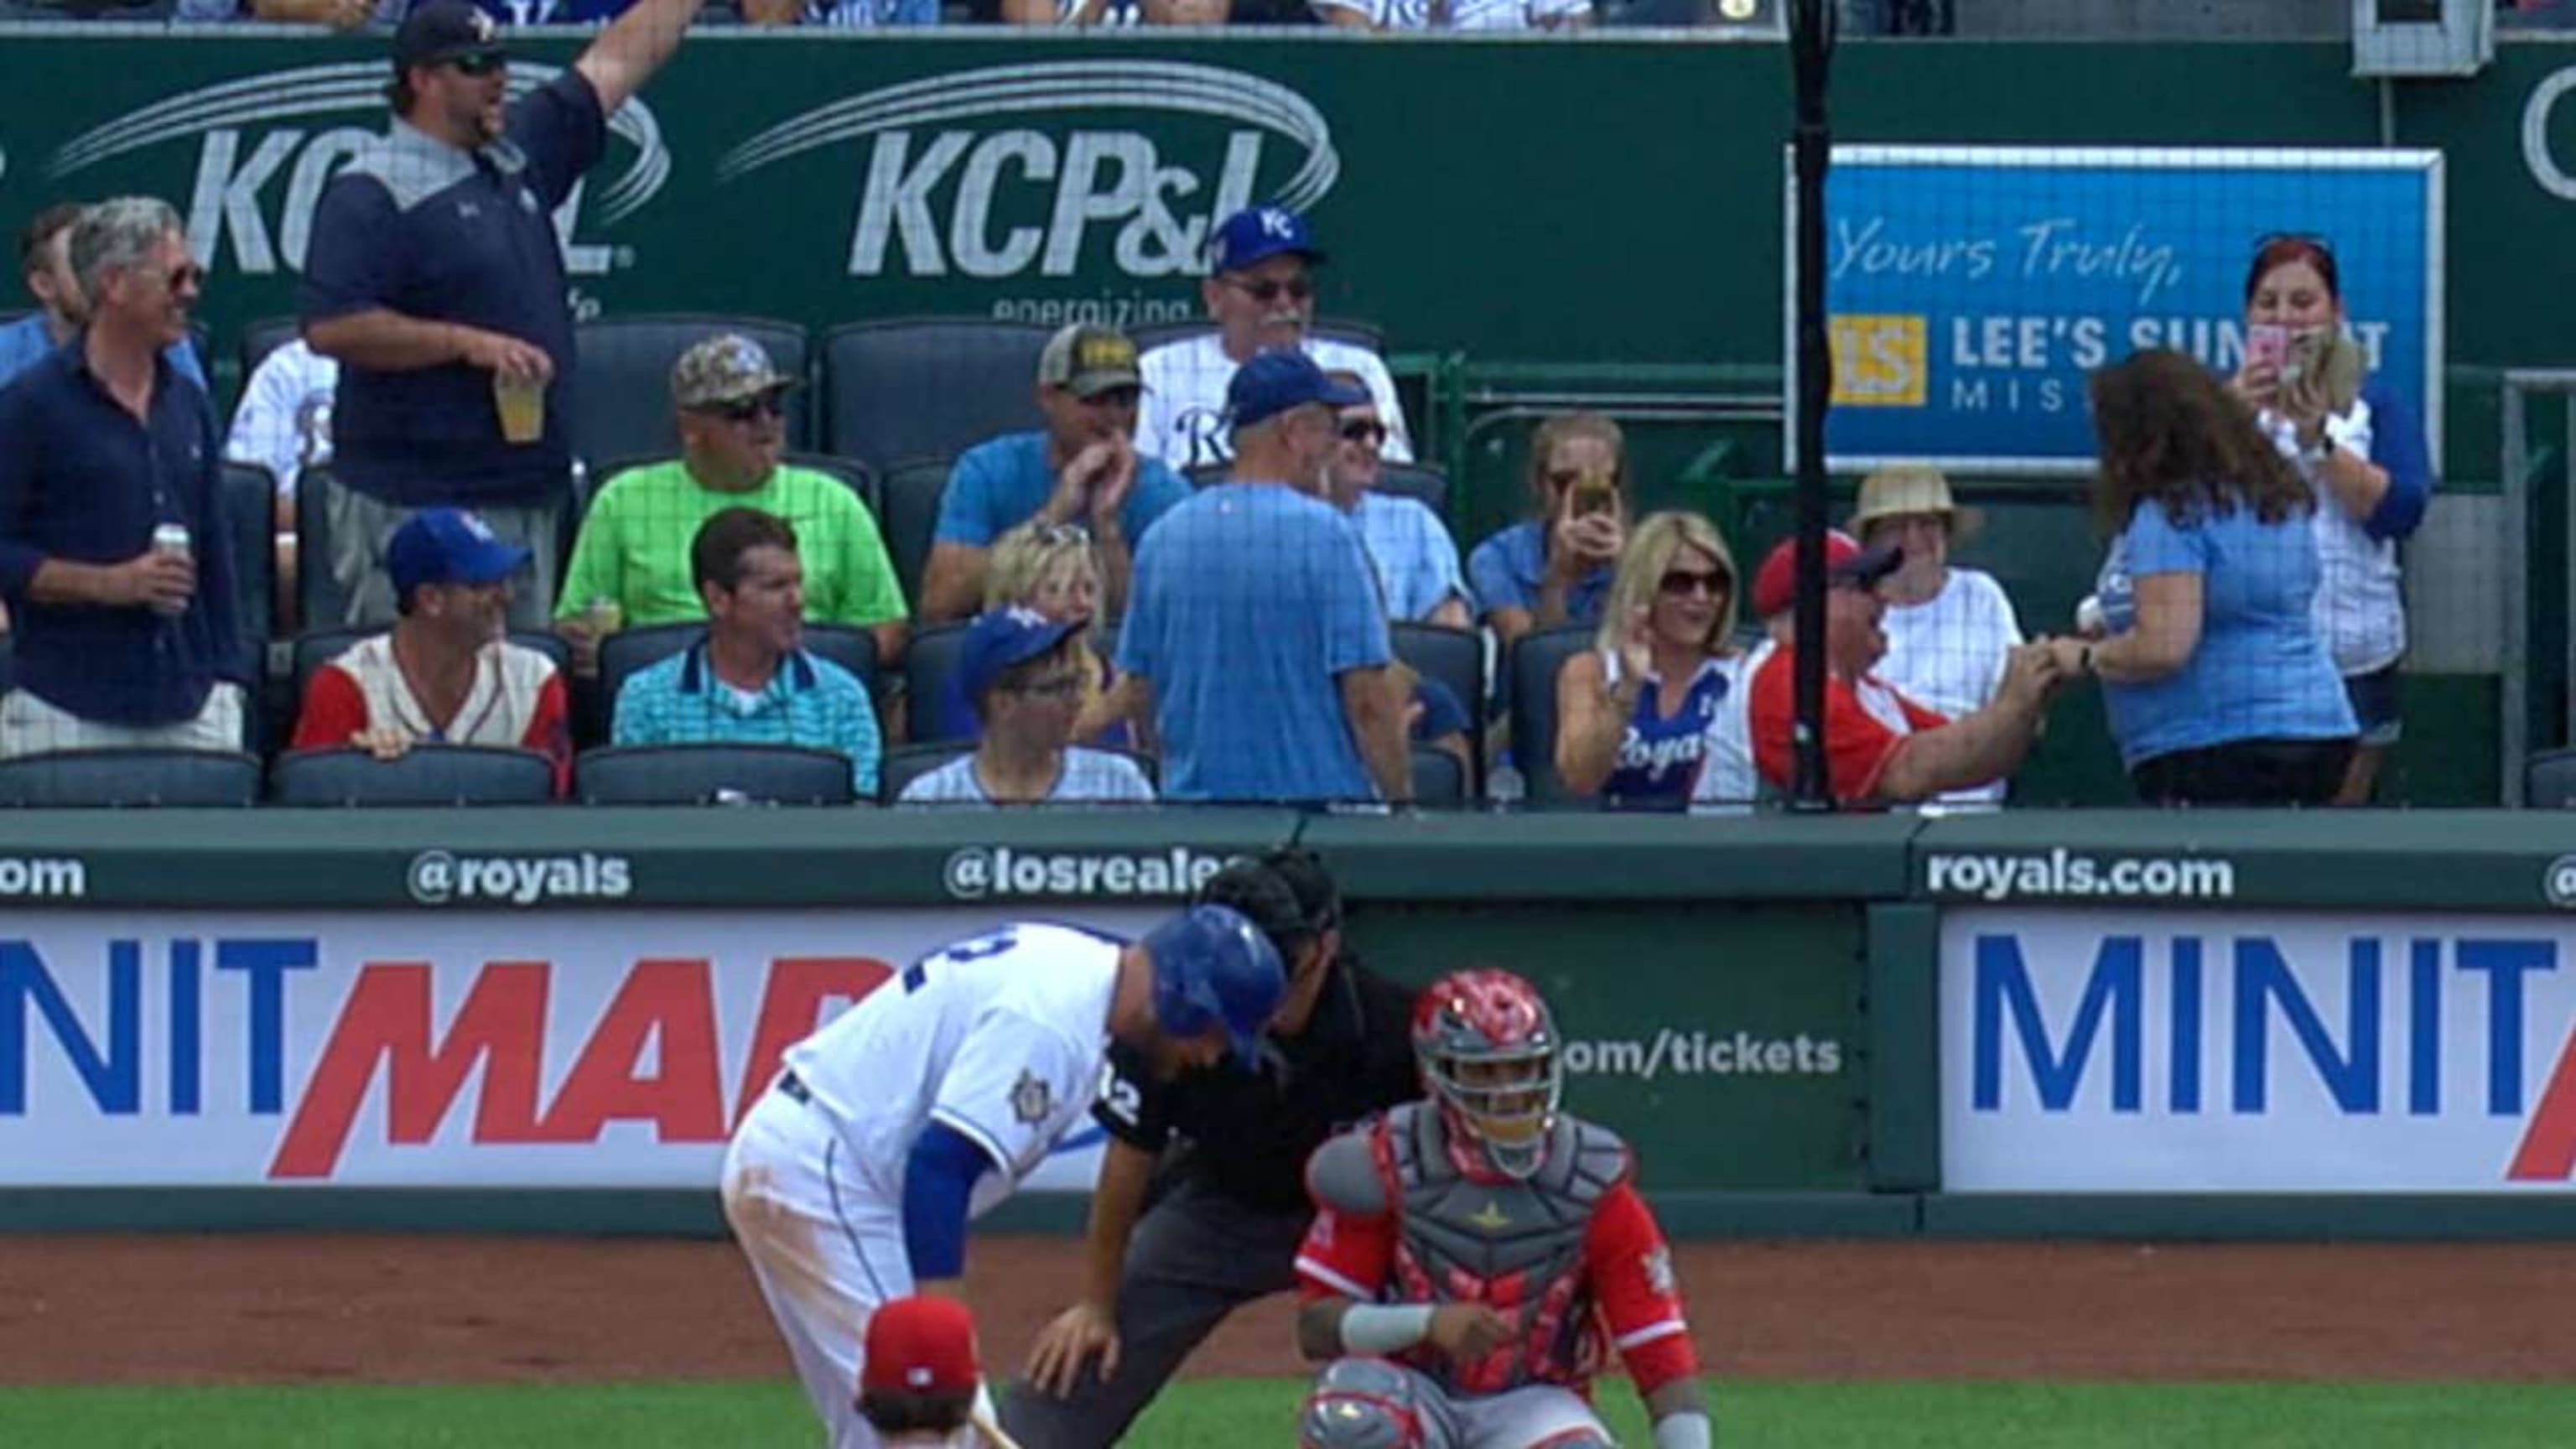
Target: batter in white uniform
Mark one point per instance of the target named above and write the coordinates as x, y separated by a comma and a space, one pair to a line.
851, 1181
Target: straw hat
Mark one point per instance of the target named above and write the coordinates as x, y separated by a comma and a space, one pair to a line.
1895, 492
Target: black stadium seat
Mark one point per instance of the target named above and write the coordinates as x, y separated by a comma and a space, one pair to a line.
927, 387
929, 663
250, 527
1534, 663
84, 778
261, 337
1439, 781
1456, 658
912, 491
907, 763
428, 775
1425, 483
2549, 780
712, 775
621, 385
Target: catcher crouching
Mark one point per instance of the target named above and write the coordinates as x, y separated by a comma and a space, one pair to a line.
1477, 1256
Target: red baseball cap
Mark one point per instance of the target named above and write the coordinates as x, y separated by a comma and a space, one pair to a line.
920, 1346
1846, 562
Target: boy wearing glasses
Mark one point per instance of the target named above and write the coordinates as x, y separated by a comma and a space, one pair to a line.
633, 550
1024, 675
1260, 290
436, 281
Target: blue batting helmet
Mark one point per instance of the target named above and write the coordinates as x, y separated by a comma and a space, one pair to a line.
1212, 967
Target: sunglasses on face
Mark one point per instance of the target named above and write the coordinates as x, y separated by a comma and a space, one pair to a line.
748, 409
1296, 289
1683, 583
1058, 534
1364, 430
484, 63
185, 275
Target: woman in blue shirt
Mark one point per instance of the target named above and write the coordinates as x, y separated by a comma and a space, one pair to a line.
1635, 712
1554, 568
2219, 689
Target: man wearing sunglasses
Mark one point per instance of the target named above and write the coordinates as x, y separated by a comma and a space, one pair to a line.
1260, 290
45, 264
633, 550
1881, 748
436, 279
112, 538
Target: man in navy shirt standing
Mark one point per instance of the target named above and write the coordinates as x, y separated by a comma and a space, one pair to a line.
437, 281
112, 535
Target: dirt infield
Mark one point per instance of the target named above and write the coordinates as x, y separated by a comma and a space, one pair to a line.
183, 1309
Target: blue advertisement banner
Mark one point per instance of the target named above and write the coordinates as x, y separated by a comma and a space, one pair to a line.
1971, 290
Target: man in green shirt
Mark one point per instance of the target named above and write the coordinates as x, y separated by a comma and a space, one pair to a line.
630, 563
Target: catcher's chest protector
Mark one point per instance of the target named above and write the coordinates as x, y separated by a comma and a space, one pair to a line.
1513, 1244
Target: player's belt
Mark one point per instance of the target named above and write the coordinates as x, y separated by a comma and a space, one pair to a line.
792, 1087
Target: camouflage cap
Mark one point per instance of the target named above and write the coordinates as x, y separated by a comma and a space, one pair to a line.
727, 367
1087, 360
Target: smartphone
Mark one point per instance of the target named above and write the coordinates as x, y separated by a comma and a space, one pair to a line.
2266, 342
1595, 492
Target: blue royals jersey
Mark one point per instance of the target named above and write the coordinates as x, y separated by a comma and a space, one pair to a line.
1658, 756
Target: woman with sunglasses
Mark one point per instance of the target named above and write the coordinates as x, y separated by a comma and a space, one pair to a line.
1054, 571
2360, 450
2219, 690
1634, 713
1555, 568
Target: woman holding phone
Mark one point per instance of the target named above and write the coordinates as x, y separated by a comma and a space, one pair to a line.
2358, 444
1555, 568
2219, 690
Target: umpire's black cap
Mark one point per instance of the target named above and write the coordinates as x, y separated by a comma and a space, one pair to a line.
1286, 893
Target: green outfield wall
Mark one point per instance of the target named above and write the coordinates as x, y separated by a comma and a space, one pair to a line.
2206, 1023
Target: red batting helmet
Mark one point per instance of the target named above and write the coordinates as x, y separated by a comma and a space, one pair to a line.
1488, 1047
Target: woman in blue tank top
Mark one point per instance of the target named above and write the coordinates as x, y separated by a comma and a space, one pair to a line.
1634, 713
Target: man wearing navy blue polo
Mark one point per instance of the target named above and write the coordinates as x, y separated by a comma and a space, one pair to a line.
1254, 631
112, 537
437, 281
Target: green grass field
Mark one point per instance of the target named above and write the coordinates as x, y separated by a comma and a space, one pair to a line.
1255, 1413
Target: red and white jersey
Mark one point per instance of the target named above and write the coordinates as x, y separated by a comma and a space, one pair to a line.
1620, 1293
517, 699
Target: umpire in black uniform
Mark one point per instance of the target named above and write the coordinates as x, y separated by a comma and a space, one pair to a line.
1202, 1196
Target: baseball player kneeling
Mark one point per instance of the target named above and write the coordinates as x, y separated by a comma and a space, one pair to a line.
849, 1184
1476, 1255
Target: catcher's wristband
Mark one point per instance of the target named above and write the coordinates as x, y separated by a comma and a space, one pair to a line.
1689, 1429
1385, 1327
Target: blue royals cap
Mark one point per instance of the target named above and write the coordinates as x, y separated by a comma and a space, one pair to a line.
1258, 233
448, 546
1002, 638
1272, 382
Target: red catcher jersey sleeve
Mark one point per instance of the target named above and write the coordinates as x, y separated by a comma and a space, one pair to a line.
1631, 1268
1348, 1254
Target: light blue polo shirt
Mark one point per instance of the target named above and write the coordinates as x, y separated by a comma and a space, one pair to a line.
1249, 600
2260, 671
